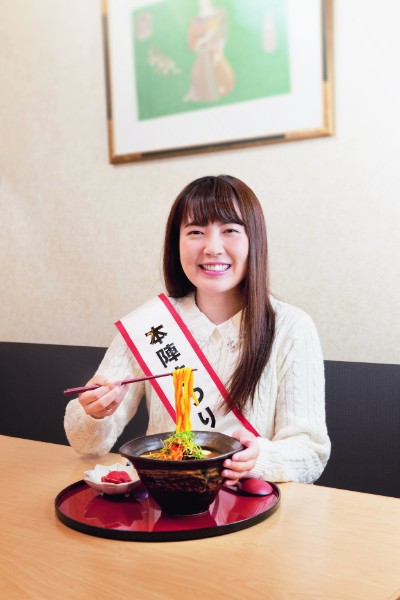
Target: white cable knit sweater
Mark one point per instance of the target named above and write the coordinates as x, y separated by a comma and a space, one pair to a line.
288, 409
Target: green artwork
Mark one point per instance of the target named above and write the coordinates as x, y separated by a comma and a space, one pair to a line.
196, 54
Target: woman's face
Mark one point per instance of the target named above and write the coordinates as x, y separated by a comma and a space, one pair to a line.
214, 256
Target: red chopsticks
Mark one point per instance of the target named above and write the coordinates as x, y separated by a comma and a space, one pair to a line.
79, 390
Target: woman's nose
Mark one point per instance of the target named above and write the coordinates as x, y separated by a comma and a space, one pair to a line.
213, 245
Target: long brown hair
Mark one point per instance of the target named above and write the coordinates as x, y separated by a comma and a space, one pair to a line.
218, 198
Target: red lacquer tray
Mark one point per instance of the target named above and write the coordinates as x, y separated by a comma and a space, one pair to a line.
138, 518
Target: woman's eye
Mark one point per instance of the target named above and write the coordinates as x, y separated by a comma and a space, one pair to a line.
231, 230
194, 232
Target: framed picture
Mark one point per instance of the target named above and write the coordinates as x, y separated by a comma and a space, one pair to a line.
186, 76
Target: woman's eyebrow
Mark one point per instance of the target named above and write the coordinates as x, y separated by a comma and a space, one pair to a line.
191, 224
194, 223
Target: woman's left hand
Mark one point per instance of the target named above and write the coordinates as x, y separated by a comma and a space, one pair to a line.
242, 462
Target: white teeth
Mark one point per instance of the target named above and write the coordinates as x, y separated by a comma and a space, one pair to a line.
215, 267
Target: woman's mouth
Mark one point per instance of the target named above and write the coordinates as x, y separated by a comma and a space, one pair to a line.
215, 268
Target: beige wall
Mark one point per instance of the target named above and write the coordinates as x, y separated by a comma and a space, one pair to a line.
80, 239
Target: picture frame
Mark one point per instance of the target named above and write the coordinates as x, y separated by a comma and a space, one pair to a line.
190, 76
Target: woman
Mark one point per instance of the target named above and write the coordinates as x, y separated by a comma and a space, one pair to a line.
263, 355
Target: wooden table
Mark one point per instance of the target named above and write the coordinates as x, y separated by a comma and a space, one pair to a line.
321, 543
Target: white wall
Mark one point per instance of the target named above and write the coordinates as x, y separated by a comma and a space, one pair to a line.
80, 239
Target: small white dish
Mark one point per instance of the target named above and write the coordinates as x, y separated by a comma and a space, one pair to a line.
93, 479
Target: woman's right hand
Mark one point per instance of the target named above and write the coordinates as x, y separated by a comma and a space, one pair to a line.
103, 401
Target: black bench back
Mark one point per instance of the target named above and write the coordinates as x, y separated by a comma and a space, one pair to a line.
362, 405
363, 419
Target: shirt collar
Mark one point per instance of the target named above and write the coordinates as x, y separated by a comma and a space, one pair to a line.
201, 326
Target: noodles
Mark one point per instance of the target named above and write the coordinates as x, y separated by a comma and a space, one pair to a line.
183, 388
181, 445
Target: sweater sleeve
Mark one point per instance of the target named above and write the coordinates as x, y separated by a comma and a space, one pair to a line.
300, 447
97, 436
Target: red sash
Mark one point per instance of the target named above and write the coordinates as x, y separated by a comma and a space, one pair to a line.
160, 341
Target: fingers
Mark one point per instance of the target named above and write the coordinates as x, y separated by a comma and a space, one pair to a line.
241, 462
103, 401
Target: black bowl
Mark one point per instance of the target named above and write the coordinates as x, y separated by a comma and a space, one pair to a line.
182, 487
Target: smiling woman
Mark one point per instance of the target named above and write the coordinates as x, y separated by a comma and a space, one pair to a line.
229, 216
260, 373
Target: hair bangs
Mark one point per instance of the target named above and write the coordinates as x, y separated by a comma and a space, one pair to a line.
211, 202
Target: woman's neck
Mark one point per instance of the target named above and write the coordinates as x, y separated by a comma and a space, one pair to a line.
219, 307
